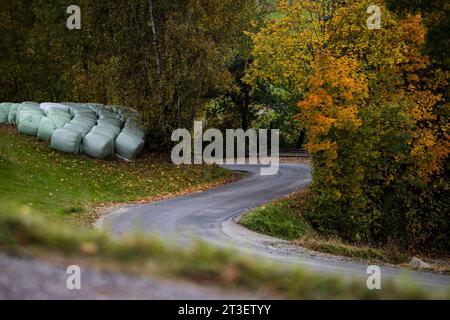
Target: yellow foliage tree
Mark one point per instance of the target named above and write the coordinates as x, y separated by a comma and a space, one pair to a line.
369, 101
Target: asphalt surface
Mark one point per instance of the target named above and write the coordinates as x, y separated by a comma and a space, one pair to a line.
211, 216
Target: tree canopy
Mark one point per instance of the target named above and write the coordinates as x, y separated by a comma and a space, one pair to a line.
377, 119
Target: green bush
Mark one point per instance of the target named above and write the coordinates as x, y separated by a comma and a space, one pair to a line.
376, 194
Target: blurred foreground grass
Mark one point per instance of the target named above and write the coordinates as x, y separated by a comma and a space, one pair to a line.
22, 232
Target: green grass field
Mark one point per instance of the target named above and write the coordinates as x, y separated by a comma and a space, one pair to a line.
284, 219
68, 187
281, 218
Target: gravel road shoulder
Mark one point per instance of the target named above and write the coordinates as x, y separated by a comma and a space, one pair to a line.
31, 279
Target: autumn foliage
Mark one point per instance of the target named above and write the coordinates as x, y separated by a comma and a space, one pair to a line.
376, 117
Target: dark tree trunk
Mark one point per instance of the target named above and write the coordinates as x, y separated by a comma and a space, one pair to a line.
301, 139
155, 41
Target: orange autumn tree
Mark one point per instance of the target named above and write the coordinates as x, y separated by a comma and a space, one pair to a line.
372, 108
329, 111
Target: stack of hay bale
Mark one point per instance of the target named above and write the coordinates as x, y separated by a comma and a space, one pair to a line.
131, 139
57, 115
96, 130
28, 117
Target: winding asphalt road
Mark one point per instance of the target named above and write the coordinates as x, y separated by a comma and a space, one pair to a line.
211, 216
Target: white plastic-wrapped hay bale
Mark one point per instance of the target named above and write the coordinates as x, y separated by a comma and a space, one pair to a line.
112, 121
107, 131
5, 107
13, 113
84, 110
71, 104
45, 106
82, 122
26, 108
109, 127
135, 124
75, 107
86, 114
128, 146
55, 111
86, 121
119, 109
97, 145
97, 108
59, 117
137, 132
29, 106
31, 103
66, 140
59, 120
29, 122
46, 129
74, 127
106, 113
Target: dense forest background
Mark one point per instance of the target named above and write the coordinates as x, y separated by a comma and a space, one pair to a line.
171, 60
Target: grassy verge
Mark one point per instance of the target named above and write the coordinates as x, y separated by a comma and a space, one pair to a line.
68, 187
284, 219
22, 232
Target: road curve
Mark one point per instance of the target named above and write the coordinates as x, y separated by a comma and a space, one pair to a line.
211, 216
